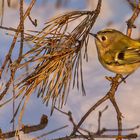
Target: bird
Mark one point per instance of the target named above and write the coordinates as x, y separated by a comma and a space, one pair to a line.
117, 52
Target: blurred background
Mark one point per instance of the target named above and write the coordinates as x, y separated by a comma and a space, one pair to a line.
114, 14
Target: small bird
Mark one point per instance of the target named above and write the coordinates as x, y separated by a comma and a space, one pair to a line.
117, 52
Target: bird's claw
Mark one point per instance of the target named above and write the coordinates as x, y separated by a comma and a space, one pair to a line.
109, 78
123, 79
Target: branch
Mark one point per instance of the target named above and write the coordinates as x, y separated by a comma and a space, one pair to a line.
92, 136
50, 132
27, 129
8, 56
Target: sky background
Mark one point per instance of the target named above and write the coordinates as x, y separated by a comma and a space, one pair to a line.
127, 96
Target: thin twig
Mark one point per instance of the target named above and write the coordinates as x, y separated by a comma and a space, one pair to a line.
99, 120
130, 136
2, 9
8, 28
50, 132
8, 56
27, 129
130, 22
15, 37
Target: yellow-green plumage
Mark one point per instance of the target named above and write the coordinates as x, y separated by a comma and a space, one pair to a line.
117, 52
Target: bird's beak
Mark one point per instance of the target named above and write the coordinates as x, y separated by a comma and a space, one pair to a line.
94, 35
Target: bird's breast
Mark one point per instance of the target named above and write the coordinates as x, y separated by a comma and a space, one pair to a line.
122, 69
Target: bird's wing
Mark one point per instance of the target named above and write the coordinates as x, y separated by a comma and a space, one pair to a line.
128, 56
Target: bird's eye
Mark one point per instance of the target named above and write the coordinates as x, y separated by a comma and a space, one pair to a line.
103, 38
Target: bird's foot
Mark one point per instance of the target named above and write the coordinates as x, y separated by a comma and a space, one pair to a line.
109, 78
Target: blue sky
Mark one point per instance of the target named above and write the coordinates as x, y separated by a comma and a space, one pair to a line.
75, 4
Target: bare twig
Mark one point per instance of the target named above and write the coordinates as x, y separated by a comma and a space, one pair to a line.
50, 132
27, 129
133, 4
2, 9
130, 22
126, 129
130, 136
34, 22
8, 56
8, 28
99, 120
15, 37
